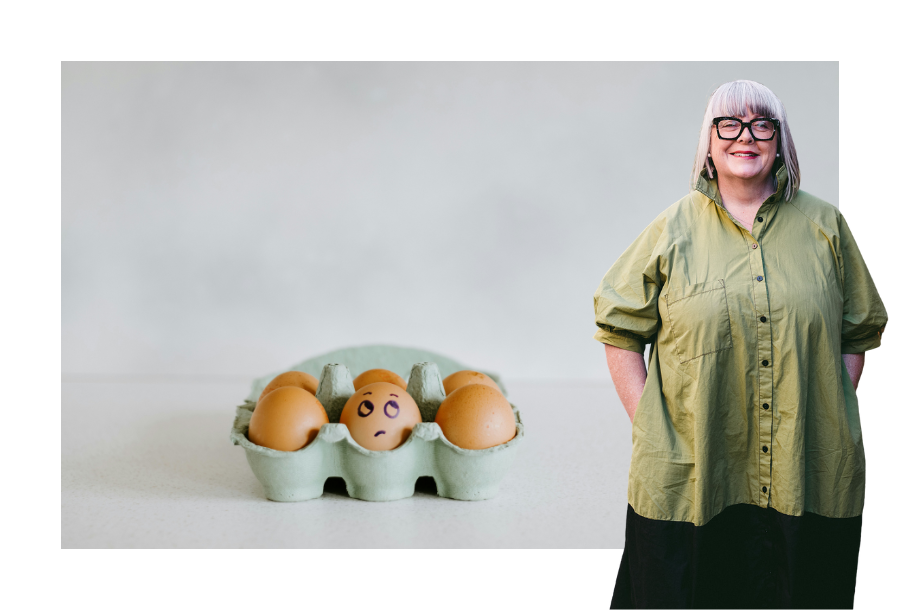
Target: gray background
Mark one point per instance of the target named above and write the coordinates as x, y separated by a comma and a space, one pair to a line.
223, 221
231, 219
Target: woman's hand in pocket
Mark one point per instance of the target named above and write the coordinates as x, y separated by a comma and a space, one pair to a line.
629, 374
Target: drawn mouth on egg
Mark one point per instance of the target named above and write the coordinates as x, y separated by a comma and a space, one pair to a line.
379, 432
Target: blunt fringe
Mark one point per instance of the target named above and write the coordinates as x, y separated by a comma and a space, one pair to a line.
734, 99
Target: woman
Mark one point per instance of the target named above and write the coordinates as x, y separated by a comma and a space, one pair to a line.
747, 469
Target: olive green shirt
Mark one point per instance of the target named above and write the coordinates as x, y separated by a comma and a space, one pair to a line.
747, 399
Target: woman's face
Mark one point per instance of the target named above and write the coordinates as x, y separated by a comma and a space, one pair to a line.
745, 158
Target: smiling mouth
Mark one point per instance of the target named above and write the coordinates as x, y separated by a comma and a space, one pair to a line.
379, 432
744, 155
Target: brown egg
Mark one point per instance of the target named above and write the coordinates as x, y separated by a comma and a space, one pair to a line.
476, 416
461, 378
380, 416
287, 419
292, 378
374, 375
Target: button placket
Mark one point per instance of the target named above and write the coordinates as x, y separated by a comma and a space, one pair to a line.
765, 365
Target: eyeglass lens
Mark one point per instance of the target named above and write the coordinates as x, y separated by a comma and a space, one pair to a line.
761, 130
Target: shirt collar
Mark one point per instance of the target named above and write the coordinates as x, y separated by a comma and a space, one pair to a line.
709, 187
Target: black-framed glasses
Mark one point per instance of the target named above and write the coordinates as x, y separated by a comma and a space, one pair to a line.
731, 128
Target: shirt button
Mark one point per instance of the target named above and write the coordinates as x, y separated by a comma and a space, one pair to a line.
758, 278
765, 449
765, 363
765, 490
759, 218
765, 406
754, 246
762, 318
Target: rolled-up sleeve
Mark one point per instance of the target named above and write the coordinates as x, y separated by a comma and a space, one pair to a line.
625, 304
864, 314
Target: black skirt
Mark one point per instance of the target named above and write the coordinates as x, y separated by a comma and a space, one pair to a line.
745, 557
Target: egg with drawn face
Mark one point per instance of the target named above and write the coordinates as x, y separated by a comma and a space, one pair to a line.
380, 416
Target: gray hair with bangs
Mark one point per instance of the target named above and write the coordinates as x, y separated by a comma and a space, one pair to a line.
735, 99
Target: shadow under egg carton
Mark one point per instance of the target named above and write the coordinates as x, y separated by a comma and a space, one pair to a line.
461, 474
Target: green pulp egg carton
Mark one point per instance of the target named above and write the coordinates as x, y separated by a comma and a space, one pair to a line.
293, 476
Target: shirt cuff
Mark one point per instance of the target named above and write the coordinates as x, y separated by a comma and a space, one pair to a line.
622, 339
858, 347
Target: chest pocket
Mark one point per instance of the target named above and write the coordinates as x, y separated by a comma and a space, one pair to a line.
698, 317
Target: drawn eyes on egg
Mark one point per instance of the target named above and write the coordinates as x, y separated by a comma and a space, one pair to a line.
391, 409
365, 408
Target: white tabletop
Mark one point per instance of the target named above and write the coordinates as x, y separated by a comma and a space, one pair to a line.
150, 464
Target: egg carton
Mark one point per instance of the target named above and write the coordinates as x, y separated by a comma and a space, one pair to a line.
461, 474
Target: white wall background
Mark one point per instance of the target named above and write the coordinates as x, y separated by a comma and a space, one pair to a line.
236, 218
